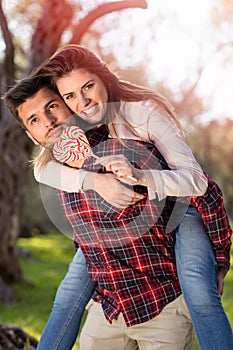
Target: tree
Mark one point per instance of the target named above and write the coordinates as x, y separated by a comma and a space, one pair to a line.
14, 155
213, 146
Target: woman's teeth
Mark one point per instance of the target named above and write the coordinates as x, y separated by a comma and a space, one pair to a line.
90, 110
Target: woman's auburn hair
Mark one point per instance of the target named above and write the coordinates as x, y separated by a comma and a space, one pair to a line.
73, 57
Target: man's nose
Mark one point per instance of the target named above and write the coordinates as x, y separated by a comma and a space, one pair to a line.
49, 119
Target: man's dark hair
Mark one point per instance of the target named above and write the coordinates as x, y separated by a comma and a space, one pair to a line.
22, 91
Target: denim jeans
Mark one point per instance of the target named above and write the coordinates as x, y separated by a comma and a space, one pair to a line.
197, 271
71, 298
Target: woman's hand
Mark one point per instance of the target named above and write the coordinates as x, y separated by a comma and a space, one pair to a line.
123, 169
111, 189
220, 279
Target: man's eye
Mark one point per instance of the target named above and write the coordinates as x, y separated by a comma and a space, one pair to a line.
52, 106
34, 120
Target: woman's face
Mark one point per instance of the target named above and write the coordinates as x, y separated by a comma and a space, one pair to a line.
85, 94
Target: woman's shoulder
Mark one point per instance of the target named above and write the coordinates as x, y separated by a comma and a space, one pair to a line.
138, 111
148, 104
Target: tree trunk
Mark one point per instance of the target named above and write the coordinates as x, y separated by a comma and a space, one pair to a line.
14, 151
14, 338
12, 172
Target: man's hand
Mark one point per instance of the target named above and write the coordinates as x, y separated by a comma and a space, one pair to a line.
111, 189
220, 279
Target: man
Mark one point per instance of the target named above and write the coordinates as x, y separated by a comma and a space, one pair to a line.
137, 283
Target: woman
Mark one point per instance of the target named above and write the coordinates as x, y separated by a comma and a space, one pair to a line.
132, 112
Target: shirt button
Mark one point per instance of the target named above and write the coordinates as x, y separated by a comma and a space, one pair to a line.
89, 216
109, 267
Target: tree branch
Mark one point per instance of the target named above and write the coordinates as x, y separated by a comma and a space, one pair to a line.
81, 28
47, 35
8, 65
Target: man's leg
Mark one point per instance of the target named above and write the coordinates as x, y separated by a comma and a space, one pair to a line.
171, 330
197, 271
98, 334
72, 296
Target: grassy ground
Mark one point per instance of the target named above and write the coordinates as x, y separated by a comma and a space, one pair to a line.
43, 270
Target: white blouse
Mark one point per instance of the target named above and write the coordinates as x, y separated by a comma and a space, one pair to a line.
185, 177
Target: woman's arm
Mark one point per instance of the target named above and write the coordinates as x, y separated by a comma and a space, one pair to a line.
60, 176
185, 177
68, 179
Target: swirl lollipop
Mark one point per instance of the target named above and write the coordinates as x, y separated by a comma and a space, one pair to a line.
73, 147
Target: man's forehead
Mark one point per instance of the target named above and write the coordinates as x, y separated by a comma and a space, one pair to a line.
47, 93
37, 103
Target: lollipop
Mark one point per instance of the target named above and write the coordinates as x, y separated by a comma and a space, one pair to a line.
72, 146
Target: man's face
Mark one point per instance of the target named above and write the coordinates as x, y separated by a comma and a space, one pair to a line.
45, 115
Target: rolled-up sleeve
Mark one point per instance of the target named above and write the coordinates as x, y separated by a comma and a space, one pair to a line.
60, 176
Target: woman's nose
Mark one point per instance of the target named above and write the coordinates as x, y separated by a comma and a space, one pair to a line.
83, 100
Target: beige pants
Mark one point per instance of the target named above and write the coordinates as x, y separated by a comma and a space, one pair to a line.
170, 330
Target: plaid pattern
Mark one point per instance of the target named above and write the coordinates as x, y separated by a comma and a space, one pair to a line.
128, 251
214, 216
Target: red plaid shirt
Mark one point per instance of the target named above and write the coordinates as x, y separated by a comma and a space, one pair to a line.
129, 251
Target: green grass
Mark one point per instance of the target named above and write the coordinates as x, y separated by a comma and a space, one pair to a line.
43, 271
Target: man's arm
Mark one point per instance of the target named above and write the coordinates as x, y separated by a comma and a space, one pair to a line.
70, 180
111, 189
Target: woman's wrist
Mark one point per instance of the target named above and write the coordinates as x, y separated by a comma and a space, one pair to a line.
88, 181
141, 177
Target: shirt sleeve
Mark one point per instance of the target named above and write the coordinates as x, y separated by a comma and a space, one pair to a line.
61, 177
185, 177
213, 212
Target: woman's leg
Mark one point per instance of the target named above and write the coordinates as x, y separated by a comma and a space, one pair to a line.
197, 271
72, 296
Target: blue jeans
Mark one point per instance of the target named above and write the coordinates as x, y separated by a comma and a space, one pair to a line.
72, 296
197, 271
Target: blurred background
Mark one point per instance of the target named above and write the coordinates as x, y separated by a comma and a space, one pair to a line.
182, 48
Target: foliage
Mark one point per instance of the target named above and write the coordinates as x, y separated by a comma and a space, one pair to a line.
213, 146
44, 262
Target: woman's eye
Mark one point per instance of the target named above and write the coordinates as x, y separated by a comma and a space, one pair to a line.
68, 97
88, 87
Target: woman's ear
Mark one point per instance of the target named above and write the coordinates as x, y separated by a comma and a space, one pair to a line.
32, 138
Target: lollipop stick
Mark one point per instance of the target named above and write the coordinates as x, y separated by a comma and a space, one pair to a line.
128, 176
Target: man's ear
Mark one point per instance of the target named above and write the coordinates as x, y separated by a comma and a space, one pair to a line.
31, 137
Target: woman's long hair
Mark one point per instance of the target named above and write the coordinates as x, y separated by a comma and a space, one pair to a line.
72, 57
